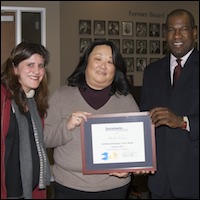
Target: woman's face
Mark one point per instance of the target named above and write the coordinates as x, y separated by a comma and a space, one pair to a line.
30, 72
100, 70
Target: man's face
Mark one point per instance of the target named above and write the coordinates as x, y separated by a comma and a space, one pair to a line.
180, 35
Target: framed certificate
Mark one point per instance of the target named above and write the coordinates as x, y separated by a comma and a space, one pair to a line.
121, 142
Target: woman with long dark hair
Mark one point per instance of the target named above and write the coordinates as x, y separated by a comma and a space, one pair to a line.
25, 170
98, 85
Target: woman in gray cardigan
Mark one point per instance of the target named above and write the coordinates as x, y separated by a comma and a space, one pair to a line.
98, 85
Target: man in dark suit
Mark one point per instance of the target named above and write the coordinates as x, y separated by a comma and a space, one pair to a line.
141, 49
155, 47
154, 31
175, 112
128, 48
85, 28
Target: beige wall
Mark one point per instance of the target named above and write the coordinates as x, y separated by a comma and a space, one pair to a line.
52, 35
62, 26
72, 12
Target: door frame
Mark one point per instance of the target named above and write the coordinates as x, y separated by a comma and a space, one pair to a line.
18, 20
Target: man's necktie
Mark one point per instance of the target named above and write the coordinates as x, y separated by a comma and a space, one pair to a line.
177, 71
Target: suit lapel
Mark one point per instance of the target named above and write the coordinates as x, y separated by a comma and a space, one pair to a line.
165, 74
187, 70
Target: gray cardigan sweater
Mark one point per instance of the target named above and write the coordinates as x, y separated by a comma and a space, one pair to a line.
67, 169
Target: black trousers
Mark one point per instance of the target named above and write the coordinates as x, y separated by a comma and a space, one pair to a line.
62, 192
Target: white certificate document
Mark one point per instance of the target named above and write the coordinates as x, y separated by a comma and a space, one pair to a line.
118, 142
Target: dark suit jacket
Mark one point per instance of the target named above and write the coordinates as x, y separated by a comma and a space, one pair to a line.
154, 34
128, 50
141, 51
177, 150
157, 50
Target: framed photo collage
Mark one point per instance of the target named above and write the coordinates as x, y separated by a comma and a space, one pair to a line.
140, 43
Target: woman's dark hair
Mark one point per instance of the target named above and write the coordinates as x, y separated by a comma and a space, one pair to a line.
21, 52
120, 83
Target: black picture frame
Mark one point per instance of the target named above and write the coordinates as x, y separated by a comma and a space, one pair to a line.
127, 28
154, 29
113, 28
84, 43
154, 46
141, 29
107, 138
99, 27
129, 62
85, 27
127, 46
165, 49
141, 63
141, 46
